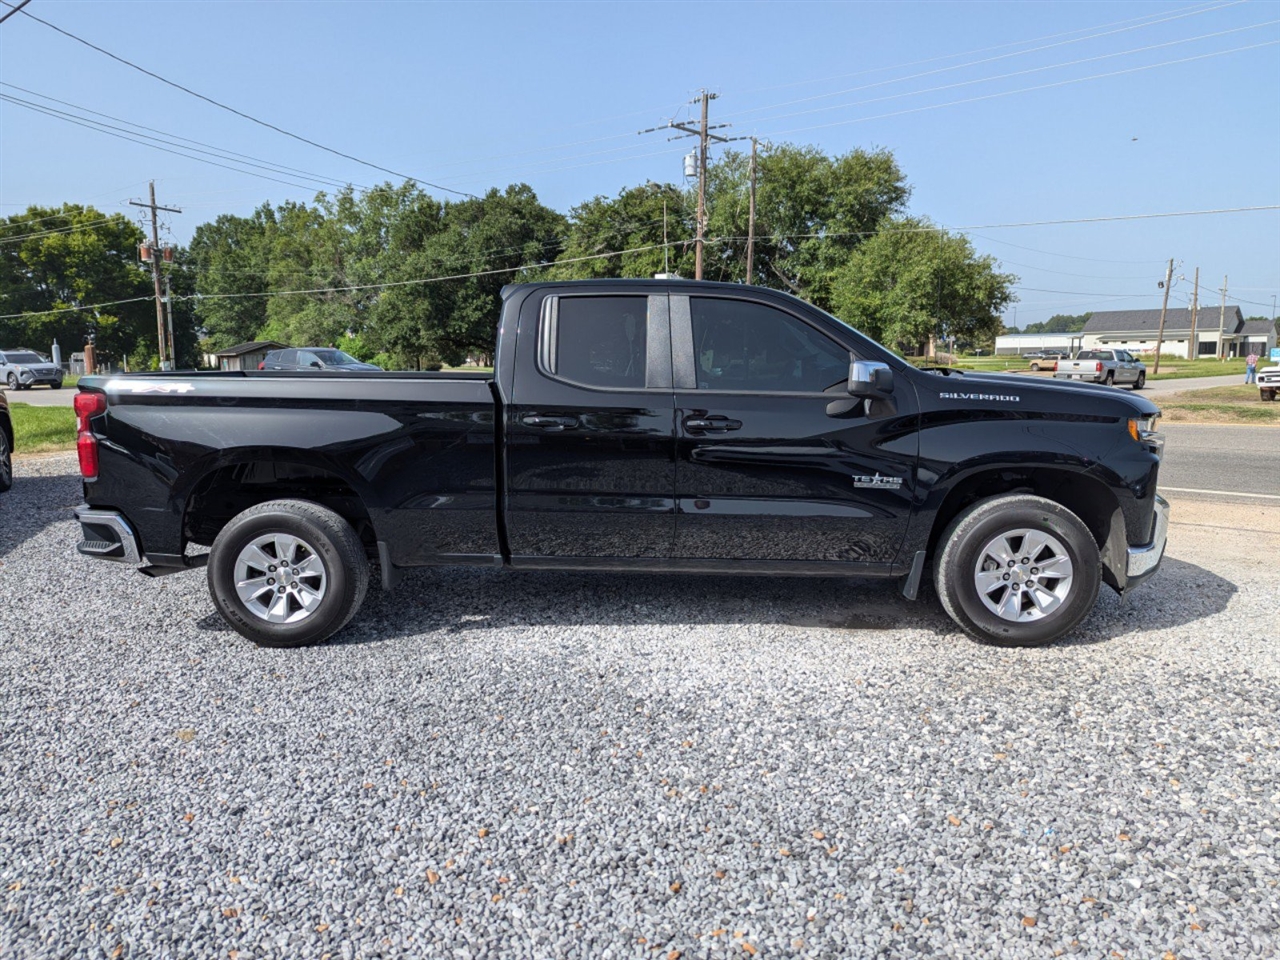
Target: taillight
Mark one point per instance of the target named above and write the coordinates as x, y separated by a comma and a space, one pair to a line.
1098, 367
1055, 366
87, 404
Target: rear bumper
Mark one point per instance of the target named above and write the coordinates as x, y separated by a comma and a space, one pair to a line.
1145, 560
107, 535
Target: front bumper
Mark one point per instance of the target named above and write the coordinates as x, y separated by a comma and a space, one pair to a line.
107, 535
1144, 561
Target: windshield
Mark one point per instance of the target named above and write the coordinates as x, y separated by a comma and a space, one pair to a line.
25, 356
332, 357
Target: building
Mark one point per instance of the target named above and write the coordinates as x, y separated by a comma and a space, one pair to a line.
1138, 330
246, 356
1018, 344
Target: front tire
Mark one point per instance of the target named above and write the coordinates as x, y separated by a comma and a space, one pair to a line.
1017, 571
6, 462
287, 573
12, 381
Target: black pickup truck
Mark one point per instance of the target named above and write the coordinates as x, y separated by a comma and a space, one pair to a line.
630, 426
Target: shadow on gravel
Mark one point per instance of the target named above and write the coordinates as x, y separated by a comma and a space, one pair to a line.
453, 600
33, 504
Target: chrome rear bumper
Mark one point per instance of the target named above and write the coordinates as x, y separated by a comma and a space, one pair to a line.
107, 536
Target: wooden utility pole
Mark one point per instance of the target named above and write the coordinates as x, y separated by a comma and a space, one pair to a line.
1222, 318
1164, 309
1193, 348
704, 135
168, 306
751, 212
155, 268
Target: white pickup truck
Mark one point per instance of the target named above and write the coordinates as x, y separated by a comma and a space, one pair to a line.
1268, 382
1112, 367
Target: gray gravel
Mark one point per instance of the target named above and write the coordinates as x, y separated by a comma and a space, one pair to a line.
489, 765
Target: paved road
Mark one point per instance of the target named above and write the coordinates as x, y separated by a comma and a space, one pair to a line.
1207, 456
42, 396
1192, 383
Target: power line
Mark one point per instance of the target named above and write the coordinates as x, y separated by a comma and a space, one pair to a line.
15, 9
241, 113
91, 306
1005, 56
74, 228
218, 151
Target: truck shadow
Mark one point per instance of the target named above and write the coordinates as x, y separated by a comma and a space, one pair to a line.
33, 504
457, 600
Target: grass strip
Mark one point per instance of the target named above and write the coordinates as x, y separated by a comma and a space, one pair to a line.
42, 429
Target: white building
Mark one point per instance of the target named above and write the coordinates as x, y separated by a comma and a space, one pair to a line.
1017, 344
1138, 330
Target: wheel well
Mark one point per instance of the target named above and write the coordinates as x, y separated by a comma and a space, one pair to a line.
1089, 499
228, 491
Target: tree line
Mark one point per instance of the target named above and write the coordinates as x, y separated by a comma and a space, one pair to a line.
399, 277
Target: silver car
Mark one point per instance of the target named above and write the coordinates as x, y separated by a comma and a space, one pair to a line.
21, 368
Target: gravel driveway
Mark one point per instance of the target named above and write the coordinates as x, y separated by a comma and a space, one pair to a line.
490, 765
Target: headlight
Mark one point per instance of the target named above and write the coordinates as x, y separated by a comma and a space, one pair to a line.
1143, 430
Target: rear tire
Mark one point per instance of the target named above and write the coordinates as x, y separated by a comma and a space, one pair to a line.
1110, 379
6, 462
969, 575
287, 573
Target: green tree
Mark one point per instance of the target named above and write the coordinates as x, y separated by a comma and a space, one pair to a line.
912, 281
632, 220
812, 211
230, 258
75, 256
1060, 323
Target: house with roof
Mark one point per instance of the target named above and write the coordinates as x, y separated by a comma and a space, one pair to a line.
1218, 332
246, 356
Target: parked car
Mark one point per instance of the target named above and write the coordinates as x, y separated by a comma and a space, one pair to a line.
631, 425
21, 368
313, 358
1043, 361
1268, 382
6, 446
1112, 367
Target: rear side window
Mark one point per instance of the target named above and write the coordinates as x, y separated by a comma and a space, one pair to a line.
596, 341
740, 345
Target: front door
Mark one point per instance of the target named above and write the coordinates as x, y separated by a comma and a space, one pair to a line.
590, 449
775, 462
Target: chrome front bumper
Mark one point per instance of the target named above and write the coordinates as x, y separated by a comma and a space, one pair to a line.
107, 536
1144, 560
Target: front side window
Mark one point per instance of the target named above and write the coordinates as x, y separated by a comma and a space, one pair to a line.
332, 358
740, 345
306, 358
598, 341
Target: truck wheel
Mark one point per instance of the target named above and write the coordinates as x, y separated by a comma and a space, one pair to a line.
1017, 571
1035, 366
6, 463
1110, 378
1268, 394
287, 573
1140, 382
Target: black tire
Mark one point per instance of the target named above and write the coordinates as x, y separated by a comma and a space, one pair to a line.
965, 540
1110, 378
6, 462
1141, 381
335, 545
56, 385
12, 381
1268, 394
1035, 367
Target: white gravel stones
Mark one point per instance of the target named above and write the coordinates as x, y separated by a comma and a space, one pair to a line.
491, 765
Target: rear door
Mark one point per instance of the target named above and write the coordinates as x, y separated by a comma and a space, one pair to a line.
775, 462
589, 443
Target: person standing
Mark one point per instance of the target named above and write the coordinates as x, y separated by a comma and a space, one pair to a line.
1251, 368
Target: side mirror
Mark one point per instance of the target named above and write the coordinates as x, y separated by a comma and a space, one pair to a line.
870, 378
317, 364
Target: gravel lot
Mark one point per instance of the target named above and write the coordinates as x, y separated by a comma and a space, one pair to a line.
487, 765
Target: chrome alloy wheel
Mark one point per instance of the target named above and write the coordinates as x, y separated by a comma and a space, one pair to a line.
1023, 575
279, 578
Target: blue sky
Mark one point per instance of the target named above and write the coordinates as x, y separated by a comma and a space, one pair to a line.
999, 113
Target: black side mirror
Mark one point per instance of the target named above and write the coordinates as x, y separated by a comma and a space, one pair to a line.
870, 378
317, 364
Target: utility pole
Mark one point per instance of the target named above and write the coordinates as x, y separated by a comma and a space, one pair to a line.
751, 212
168, 305
1193, 348
155, 268
704, 135
1164, 309
1222, 318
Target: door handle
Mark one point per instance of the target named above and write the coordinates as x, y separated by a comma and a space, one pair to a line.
714, 424
550, 424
